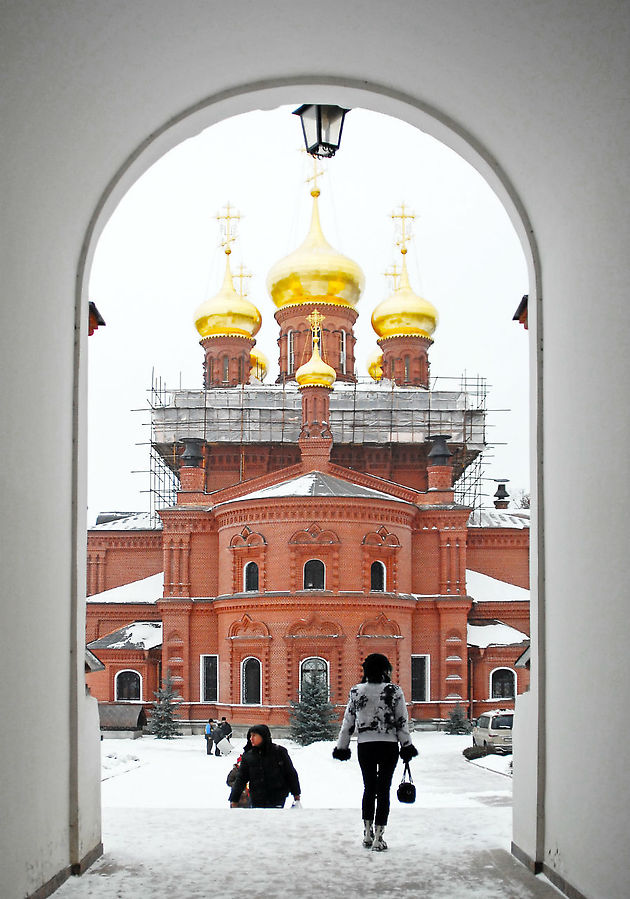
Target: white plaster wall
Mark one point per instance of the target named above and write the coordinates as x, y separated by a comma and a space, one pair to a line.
88, 91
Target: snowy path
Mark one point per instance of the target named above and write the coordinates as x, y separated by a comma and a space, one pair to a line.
168, 832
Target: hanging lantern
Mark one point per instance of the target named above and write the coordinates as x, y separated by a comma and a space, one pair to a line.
322, 126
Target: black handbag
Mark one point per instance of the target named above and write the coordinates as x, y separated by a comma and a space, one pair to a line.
406, 790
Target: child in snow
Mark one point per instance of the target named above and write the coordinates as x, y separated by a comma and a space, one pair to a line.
377, 709
268, 770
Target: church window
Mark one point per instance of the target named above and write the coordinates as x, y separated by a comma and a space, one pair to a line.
314, 575
210, 372
290, 351
420, 678
251, 577
250, 682
226, 368
342, 352
377, 577
503, 684
314, 671
128, 687
209, 678
407, 368
240, 369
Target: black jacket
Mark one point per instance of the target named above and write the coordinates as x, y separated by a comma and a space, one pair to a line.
269, 771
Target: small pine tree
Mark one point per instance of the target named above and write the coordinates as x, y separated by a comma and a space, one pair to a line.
164, 711
457, 722
313, 717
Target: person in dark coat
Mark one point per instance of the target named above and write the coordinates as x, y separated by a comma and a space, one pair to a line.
269, 771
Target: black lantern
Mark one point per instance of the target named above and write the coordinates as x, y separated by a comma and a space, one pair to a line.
322, 126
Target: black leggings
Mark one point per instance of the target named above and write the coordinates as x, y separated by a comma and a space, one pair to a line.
377, 761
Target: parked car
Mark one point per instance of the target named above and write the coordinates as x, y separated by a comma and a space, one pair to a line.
493, 730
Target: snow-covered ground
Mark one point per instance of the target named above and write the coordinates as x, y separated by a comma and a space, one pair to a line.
168, 830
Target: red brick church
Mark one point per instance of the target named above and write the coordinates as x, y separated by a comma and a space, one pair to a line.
316, 519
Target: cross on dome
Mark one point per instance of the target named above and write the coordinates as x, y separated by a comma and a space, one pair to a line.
404, 215
226, 217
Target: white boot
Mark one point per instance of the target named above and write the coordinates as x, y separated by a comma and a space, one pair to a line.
379, 843
368, 834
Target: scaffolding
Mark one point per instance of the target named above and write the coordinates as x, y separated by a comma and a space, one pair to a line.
361, 414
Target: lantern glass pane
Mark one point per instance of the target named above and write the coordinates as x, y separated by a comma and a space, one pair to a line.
309, 124
332, 117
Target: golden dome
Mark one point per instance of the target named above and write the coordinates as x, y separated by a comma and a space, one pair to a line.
259, 363
315, 372
375, 365
315, 272
227, 314
404, 313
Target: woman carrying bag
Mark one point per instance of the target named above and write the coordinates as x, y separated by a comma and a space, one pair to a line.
377, 711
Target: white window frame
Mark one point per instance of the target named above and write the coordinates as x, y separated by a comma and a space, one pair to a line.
205, 655
290, 351
243, 663
125, 671
314, 559
343, 351
502, 698
245, 590
384, 567
427, 657
318, 659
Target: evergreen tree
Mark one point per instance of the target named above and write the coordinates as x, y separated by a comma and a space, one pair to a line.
457, 722
313, 717
164, 711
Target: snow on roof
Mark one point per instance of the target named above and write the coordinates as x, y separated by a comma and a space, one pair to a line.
136, 521
484, 588
495, 633
149, 589
499, 518
315, 483
138, 635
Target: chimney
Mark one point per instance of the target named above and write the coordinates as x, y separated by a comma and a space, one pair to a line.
439, 469
191, 472
501, 497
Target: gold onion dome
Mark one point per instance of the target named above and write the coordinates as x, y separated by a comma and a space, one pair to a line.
375, 365
259, 363
227, 314
315, 272
404, 313
315, 372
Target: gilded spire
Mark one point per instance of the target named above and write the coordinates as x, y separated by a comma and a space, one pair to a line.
315, 372
404, 313
315, 272
227, 314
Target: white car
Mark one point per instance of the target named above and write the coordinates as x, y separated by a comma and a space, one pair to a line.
493, 730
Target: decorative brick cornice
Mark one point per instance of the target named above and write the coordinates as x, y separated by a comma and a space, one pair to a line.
331, 508
479, 538
124, 540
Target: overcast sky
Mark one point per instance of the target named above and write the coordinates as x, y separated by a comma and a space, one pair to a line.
159, 258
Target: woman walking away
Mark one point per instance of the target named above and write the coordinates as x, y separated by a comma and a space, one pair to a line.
377, 709
268, 770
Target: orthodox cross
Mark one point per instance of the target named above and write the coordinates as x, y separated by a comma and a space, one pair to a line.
228, 215
393, 273
315, 320
317, 172
404, 215
242, 275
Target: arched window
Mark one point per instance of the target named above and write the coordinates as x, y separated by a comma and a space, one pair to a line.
407, 368
314, 575
377, 577
128, 686
314, 672
210, 372
290, 351
226, 368
251, 577
503, 684
250, 682
342, 352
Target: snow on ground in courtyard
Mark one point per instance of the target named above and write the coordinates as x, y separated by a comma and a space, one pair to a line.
168, 830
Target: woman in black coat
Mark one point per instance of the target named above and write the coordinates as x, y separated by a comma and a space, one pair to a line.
268, 770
